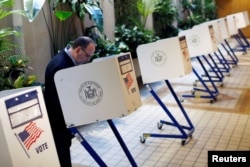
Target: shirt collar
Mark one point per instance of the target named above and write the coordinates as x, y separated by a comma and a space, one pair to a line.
66, 49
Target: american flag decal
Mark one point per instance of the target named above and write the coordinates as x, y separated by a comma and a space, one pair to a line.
128, 80
30, 134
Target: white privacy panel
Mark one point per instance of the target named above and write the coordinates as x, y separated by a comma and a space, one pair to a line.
104, 89
222, 22
242, 19
216, 30
25, 133
164, 59
231, 22
200, 40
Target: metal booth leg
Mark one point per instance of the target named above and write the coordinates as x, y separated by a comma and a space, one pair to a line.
240, 47
218, 75
211, 94
92, 152
233, 56
86, 145
241, 34
222, 60
183, 134
123, 145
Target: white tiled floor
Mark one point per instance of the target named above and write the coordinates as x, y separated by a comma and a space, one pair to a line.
219, 126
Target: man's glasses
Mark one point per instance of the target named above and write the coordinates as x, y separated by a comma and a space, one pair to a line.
87, 54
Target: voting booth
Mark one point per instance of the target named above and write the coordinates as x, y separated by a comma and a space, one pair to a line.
216, 30
200, 40
222, 22
242, 19
160, 61
25, 135
231, 24
234, 32
158, 58
104, 89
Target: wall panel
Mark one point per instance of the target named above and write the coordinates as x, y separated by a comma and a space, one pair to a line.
226, 7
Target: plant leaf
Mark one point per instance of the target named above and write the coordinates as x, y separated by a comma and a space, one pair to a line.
6, 3
7, 13
95, 14
18, 83
32, 8
30, 80
63, 15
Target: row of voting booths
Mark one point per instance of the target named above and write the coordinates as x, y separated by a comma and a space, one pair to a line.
107, 88
211, 45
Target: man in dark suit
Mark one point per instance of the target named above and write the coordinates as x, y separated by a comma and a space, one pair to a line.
78, 53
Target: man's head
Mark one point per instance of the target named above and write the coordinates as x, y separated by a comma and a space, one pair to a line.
82, 49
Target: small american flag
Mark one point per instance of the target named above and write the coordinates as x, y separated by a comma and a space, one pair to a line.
128, 80
30, 134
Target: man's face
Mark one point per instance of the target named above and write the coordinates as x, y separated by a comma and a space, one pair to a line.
85, 54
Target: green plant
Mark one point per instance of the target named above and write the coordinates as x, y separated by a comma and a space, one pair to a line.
145, 8
210, 9
163, 17
190, 21
124, 11
191, 14
14, 73
104, 47
62, 15
132, 38
13, 67
196, 12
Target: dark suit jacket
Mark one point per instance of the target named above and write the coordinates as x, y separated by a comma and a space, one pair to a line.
58, 62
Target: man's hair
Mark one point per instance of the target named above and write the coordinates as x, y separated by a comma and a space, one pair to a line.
82, 41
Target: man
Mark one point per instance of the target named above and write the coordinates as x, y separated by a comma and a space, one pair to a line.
78, 53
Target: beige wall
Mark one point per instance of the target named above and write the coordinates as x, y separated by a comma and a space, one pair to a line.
34, 41
109, 18
37, 45
226, 7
